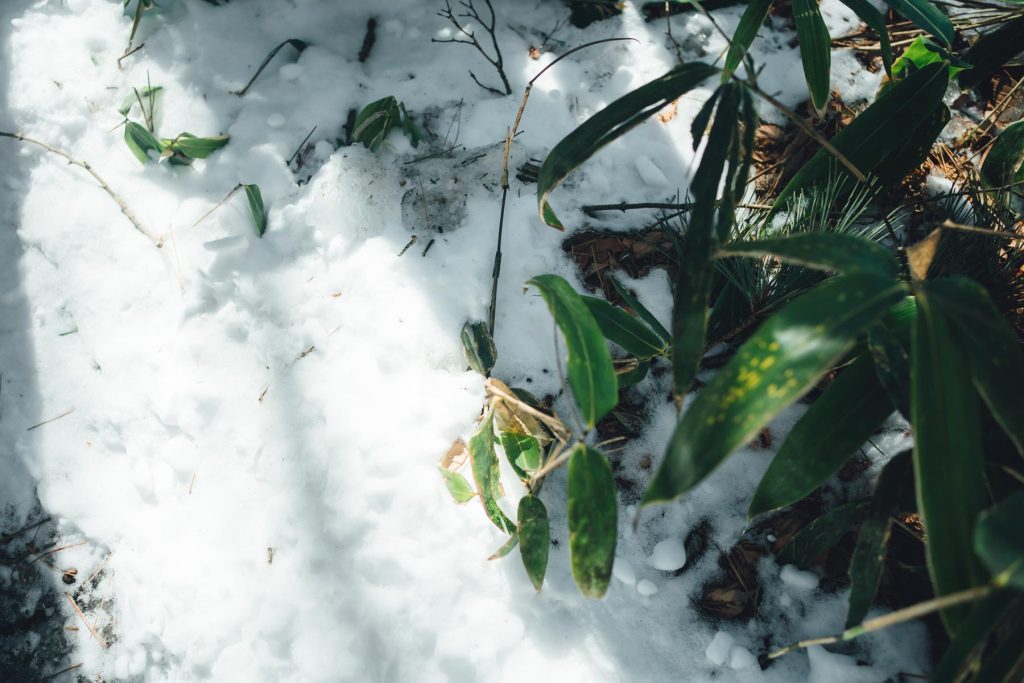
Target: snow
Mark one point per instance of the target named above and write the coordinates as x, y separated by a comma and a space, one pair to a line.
668, 555
718, 649
798, 578
248, 429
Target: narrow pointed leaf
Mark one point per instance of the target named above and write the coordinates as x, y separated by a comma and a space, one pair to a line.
894, 483
641, 310
991, 51
849, 411
486, 473
947, 453
878, 130
995, 356
819, 536
375, 121
815, 50
593, 515
999, 540
892, 366
608, 124
750, 23
191, 147
867, 13
623, 329
534, 538
787, 355
457, 485
506, 547
829, 251
925, 15
140, 141
591, 374
478, 347
986, 615
522, 451
1004, 164
256, 208
1006, 663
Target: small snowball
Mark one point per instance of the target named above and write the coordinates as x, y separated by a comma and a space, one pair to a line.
623, 571
797, 578
718, 649
740, 658
650, 173
276, 120
646, 587
668, 555
291, 72
785, 600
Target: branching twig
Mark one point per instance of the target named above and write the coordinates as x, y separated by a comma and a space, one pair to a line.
467, 38
96, 176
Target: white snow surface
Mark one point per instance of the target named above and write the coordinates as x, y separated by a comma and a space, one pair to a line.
249, 428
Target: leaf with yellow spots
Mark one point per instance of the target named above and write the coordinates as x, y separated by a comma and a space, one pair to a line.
804, 340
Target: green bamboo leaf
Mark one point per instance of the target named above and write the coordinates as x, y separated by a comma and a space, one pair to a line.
994, 353
816, 538
145, 94
1004, 164
591, 374
633, 375
506, 547
787, 355
256, 208
486, 473
1005, 664
849, 411
925, 15
140, 141
478, 347
522, 452
894, 483
966, 648
703, 118
409, 127
640, 310
892, 366
593, 515
623, 329
375, 121
457, 485
829, 251
610, 123
867, 13
750, 23
999, 540
191, 147
878, 130
815, 50
534, 538
993, 50
948, 464
914, 149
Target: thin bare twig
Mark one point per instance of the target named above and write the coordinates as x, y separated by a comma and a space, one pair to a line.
81, 615
96, 176
467, 38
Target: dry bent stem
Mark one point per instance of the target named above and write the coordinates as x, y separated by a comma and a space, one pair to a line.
96, 176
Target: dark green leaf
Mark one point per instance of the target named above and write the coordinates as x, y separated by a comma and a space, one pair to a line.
140, 141
256, 208
849, 411
375, 121
993, 50
591, 374
191, 147
703, 117
867, 13
787, 355
1005, 664
610, 123
623, 329
925, 15
878, 130
750, 23
999, 540
815, 50
1004, 164
457, 485
995, 356
633, 375
522, 451
914, 149
409, 127
894, 483
593, 515
487, 474
534, 538
948, 464
966, 648
816, 538
640, 310
829, 251
506, 547
478, 347
892, 366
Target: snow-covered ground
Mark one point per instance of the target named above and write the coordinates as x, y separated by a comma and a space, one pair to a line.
249, 428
